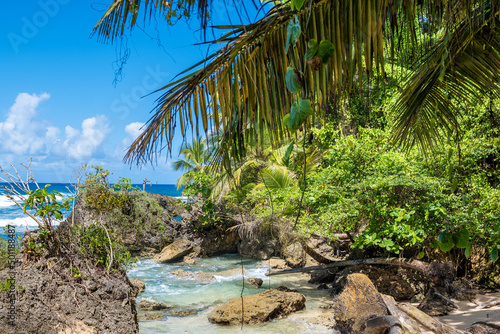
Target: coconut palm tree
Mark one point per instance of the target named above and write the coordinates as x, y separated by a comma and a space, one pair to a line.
195, 159
302, 54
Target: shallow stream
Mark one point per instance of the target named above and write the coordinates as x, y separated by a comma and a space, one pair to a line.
183, 294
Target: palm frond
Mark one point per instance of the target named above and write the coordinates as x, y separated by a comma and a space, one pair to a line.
463, 66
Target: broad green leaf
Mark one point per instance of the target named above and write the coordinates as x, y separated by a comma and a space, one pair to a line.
461, 238
292, 32
494, 254
325, 50
468, 250
299, 113
445, 242
297, 4
292, 83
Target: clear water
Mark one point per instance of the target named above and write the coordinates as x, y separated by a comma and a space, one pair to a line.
187, 294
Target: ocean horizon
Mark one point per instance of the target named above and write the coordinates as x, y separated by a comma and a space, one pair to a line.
12, 215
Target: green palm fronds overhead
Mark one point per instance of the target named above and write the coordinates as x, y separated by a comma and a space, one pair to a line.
240, 89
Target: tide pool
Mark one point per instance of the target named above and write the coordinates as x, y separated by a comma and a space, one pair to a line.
182, 294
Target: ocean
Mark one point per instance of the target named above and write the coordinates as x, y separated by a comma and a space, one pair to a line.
11, 214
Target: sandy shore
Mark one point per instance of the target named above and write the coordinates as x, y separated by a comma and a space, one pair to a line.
468, 313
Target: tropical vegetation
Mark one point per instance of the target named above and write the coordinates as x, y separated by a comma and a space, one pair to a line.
374, 118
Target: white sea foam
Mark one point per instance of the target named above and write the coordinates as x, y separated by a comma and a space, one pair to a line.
23, 222
5, 202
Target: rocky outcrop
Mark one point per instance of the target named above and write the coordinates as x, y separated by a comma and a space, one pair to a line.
255, 282
175, 251
199, 276
138, 284
358, 302
265, 306
147, 223
51, 300
147, 305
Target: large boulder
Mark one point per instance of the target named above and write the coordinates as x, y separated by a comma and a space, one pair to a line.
358, 302
175, 251
270, 304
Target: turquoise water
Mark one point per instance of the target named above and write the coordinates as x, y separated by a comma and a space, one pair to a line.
187, 294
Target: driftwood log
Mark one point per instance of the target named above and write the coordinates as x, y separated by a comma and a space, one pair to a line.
438, 272
488, 304
426, 321
414, 321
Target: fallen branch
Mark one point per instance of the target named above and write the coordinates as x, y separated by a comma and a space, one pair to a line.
488, 304
420, 266
449, 301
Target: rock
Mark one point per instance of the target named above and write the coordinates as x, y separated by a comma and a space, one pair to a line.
484, 327
434, 305
183, 313
256, 248
320, 250
322, 286
400, 283
462, 290
138, 284
49, 303
256, 282
323, 276
147, 305
199, 276
295, 255
270, 304
358, 302
174, 251
188, 260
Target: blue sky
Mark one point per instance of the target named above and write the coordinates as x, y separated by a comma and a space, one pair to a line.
58, 102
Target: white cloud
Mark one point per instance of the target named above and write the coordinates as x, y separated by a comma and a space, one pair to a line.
134, 129
81, 145
20, 132
23, 133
